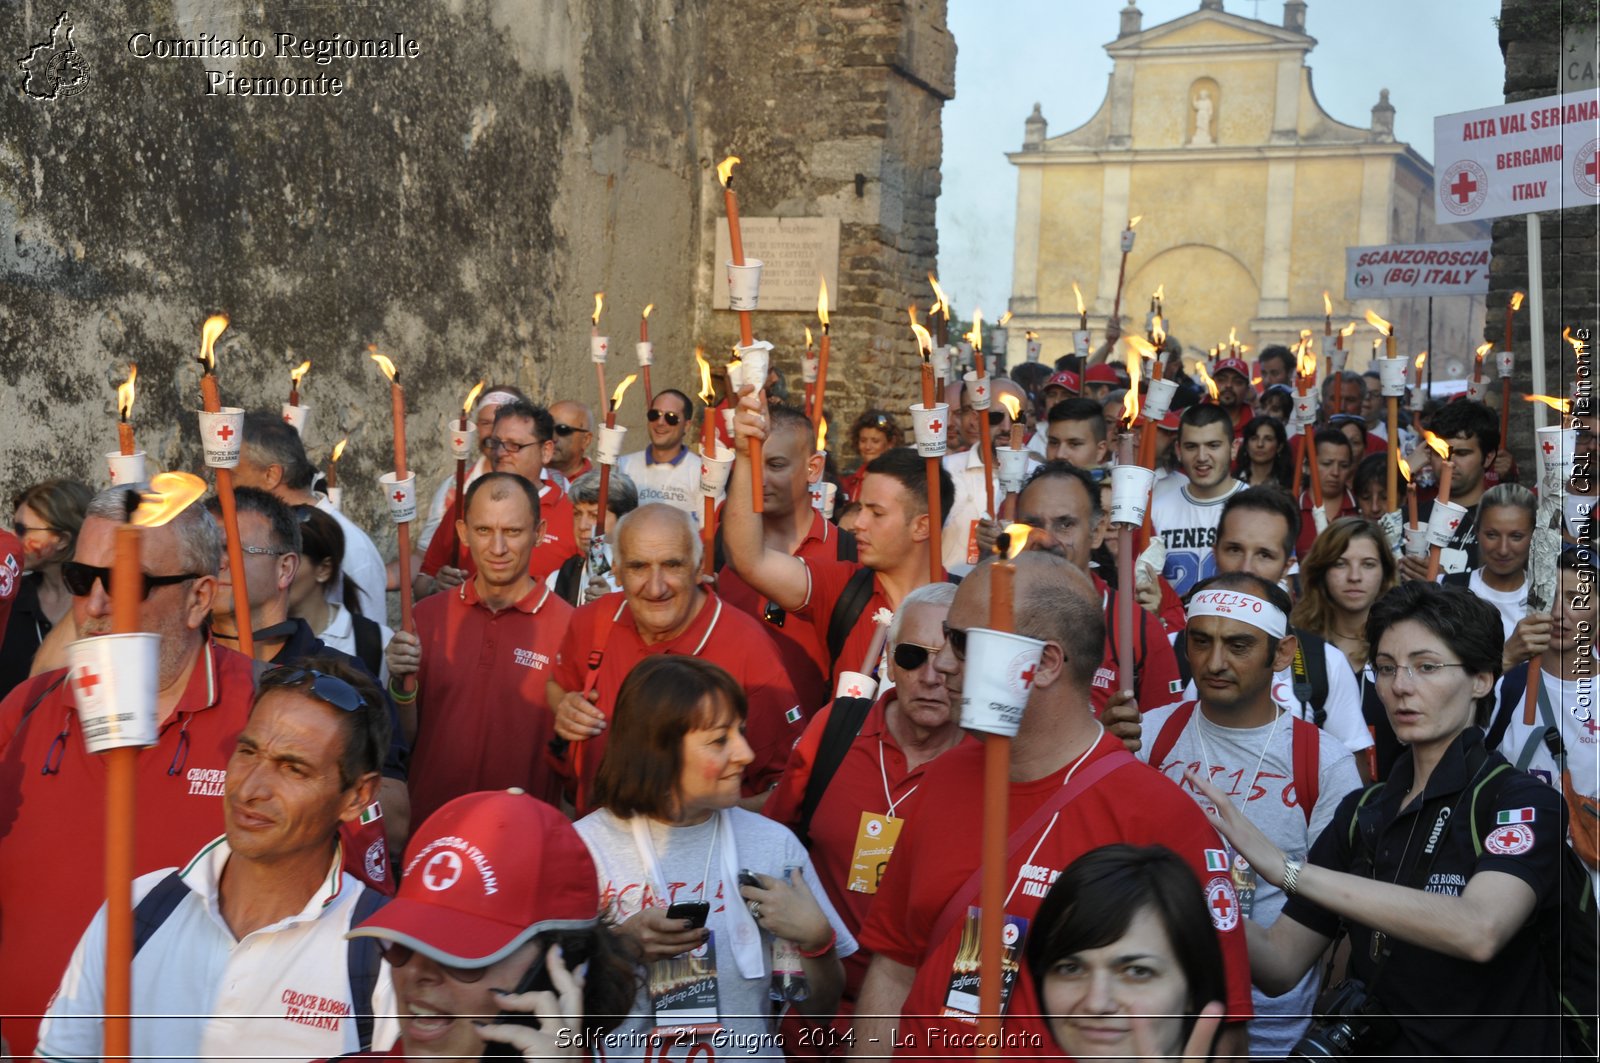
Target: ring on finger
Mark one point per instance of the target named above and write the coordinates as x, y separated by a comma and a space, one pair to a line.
755, 910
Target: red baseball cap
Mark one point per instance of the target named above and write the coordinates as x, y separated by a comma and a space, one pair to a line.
1236, 364
1102, 374
1066, 378
1171, 421
483, 875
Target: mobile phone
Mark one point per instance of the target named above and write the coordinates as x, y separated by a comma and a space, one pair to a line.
697, 912
536, 980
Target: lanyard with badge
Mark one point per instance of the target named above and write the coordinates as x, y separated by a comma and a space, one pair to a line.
682, 988
875, 838
1239, 869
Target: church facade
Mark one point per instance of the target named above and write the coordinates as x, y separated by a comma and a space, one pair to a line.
1248, 193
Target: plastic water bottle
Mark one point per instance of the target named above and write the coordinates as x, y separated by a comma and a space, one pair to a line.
789, 985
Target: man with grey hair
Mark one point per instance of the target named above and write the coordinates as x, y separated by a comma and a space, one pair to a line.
273, 458
664, 608
859, 766
1065, 772
589, 573
54, 790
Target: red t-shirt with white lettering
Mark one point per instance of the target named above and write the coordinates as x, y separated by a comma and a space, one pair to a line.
939, 850
483, 721
718, 633
559, 542
52, 826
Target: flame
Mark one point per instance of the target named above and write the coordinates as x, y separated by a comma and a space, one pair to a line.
1559, 405
1405, 467
924, 341
338, 449
383, 363
808, 337
1348, 331
941, 302
1007, 317
707, 392
1205, 378
1233, 337
214, 327
1018, 534
1484, 349
1306, 361
725, 169
1379, 323
599, 304
912, 311
822, 436
1255, 381
1158, 331
1160, 293
1440, 447
647, 308
822, 301
1135, 220
1327, 305
1012, 404
296, 375
1140, 345
1578, 346
976, 335
1421, 361
472, 397
1130, 401
1130, 407
622, 389
125, 393
170, 493
1516, 301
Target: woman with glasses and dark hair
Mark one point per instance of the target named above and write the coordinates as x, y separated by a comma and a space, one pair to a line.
1125, 958
45, 518
339, 624
723, 904
872, 434
1264, 458
1441, 875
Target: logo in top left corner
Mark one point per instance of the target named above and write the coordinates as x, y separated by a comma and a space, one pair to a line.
53, 69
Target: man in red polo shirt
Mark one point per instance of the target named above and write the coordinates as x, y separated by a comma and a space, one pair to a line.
662, 608
482, 655
52, 789
522, 443
791, 524
891, 540
930, 893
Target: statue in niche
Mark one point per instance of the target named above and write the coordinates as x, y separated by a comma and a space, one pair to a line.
1203, 109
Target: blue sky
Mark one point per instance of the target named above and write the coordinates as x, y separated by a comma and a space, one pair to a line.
1434, 56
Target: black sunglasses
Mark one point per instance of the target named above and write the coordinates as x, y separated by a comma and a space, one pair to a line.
80, 579
909, 656
399, 955
671, 418
957, 638
565, 430
22, 530
326, 688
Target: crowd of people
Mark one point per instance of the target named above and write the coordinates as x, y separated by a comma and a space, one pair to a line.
632, 785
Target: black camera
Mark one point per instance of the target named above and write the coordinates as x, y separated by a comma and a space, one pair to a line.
1349, 1022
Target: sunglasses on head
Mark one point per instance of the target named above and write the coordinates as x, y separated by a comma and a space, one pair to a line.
399, 955
326, 688
565, 430
80, 579
909, 656
672, 419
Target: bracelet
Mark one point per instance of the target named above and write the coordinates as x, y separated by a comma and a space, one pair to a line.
1291, 876
833, 939
400, 697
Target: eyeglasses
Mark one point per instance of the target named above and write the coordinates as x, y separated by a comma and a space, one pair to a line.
326, 688
909, 656
80, 579
22, 530
264, 551
493, 444
1425, 670
672, 419
957, 638
399, 955
565, 430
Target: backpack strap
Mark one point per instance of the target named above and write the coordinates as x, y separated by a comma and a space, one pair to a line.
1307, 744
1494, 773
847, 611
844, 723
566, 587
154, 908
1513, 687
1537, 736
363, 959
1168, 735
369, 642
1355, 839
1309, 674
845, 550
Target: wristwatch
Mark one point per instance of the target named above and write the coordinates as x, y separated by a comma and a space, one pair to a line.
1291, 876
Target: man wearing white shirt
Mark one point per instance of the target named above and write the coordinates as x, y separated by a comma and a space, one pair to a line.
666, 471
273, 459
245, 946
959, 544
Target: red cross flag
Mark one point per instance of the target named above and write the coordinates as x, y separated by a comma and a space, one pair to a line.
1523, 157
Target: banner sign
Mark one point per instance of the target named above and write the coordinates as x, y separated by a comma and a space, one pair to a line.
1522, 157
1402, 270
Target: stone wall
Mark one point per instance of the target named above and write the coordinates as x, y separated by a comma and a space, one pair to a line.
1531, 40
458, 209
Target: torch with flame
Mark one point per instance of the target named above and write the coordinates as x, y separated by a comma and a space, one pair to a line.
1327, 314
1563, 406
822, 436
817, 405
1446, 470
125, 411
616, 396
333, 462
1205, 379
1122, 270
1477, 364
1344, 334
1511, 309
215, 325
730, 202
1411, 496
1385, 328
941, 306
925, 349
295, 376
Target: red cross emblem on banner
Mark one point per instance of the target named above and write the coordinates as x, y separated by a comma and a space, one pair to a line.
225, 432
936, 425
442, 871
399, 497
1463, 187
86, 682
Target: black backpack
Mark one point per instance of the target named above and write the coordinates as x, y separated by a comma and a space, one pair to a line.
844, 723
1308, 671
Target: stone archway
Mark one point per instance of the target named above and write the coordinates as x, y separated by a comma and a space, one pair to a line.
1208, 291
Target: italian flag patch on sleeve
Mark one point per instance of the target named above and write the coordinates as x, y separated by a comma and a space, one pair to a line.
1216, 860
1514, 815
373, 812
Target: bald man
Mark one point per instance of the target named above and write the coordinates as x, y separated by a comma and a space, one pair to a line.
663, 608
574, 428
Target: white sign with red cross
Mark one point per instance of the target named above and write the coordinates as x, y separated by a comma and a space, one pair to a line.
1522, 157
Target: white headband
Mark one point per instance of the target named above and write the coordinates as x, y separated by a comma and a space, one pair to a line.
495, 398
1245, 608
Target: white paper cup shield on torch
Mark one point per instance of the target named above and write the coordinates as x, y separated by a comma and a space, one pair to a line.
929, 427
754, 363
978, 387
1391, 376
1557, 447
1305, 409
463, 440
1013, 466
1505, 361
744, 285
1130, 494
646, 352
1158, 399
1442, 524
401, 496
220, 434
297, 417
126, 468
824, 497
999, 679
714, 472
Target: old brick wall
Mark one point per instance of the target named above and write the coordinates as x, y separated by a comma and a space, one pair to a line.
1531, 40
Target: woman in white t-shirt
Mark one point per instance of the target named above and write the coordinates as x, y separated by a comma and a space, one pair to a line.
1505, 534
677, 859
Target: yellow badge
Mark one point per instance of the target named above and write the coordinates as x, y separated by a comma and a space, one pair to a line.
875, 840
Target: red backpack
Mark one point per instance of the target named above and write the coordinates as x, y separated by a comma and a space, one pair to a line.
1306, 743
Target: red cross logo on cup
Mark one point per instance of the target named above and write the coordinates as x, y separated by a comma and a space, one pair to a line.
1548, 447
1454, 521
604, 345
225, 432
287, 419
980, 391
85, 683
458, 441
442, 871
854, 690
936, 425
399, 498
1027, 677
